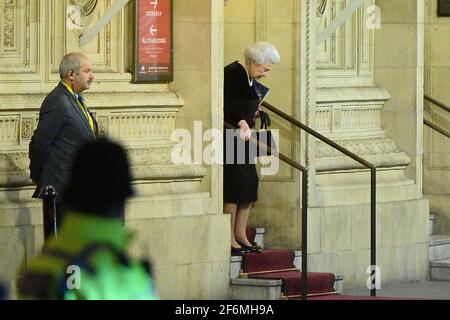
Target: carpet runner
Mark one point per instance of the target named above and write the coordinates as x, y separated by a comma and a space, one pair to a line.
269, 259
343, 297
320, 284
279, 264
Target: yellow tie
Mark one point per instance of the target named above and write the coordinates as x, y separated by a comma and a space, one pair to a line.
83, 106
81, 103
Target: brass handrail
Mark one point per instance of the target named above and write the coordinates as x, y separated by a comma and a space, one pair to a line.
433, 125
437, 128
373, 194
274, 152
436, 102
283, 297
246, 274
318, 135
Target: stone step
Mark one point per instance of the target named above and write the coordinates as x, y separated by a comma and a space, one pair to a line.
236, 264
265, 289
432, 224
440, 270
255, 289
339, 278
236, 261
439, 247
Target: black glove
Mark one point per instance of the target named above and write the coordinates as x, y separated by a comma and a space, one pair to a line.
265, 119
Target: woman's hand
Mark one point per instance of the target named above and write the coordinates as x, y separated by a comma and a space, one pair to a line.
245, 132
257, 114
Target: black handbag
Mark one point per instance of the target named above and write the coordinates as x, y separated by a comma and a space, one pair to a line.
264, 137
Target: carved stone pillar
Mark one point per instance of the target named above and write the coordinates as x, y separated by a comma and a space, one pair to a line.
349, 105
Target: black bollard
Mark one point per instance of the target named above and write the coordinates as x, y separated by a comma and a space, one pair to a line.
49, 212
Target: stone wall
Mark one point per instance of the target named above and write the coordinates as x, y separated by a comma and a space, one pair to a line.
399, 69
436, 146
177, 213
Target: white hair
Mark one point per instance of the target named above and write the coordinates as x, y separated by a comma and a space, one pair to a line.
262, 52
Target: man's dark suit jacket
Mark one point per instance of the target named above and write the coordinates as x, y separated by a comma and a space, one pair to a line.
62, 128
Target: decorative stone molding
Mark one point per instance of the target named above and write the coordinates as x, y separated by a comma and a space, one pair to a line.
321, 6
308, 49
350, 111
8, 24
102, 122
349, 94
148, 163
13, 161
261, 20
28, 125
145, 100
21, 101
142, 121
169, 173
359, 146
9, 128
387, 161
86, 6
141, 125
347, 118
151, 155
18, 45
108, 53
347, 54
380, 150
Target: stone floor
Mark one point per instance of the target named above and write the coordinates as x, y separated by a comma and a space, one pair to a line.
433, 290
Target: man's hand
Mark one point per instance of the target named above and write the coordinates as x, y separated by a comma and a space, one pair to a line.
245, 132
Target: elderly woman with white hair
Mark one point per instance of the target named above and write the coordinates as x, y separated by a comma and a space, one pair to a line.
241, 107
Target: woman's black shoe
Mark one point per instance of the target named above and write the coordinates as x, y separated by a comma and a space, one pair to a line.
255, 249
239, 251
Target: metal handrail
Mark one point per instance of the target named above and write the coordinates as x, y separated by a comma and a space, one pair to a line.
433, 125
437, 128
436, 102
373, 182
304, 171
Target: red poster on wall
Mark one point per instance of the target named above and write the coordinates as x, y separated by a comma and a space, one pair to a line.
154, 62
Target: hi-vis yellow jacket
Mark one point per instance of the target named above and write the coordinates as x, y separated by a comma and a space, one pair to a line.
87, 260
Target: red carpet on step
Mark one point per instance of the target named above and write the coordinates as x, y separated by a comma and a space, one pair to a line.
269, 259
276, 260
318, 282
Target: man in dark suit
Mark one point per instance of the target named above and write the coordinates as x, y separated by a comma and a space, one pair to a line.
64, 124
